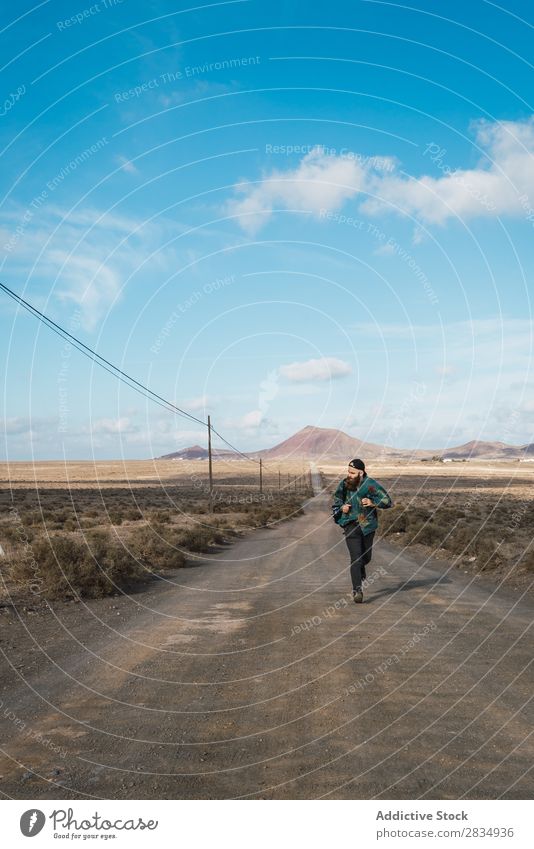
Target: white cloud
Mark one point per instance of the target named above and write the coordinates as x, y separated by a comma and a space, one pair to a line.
113, 436
126, 165
250, 424
496, 186
320, 181
252, 419
385, 250
202, 402
87, 282
15, 425
468, 368
86, 255
120, 425
514, 332
325, 368
502, 183
19, 425
88, 217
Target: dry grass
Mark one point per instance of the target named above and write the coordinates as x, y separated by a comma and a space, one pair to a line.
92, 540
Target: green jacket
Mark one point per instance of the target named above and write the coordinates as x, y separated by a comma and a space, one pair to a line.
365, 516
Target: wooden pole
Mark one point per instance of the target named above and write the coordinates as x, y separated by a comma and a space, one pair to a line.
261, 477
279, 480
210, 464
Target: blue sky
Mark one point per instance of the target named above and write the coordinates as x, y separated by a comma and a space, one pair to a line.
279, 214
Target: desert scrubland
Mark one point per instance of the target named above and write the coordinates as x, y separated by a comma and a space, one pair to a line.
89, 529
252, 673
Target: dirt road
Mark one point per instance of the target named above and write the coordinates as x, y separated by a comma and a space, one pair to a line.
253, 675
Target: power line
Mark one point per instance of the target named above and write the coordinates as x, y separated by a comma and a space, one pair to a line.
246, 456
98, 358
112, 369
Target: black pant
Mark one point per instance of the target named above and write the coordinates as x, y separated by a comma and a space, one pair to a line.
360, 548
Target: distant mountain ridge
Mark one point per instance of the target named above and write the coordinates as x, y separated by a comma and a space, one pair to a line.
322, 441
329, 443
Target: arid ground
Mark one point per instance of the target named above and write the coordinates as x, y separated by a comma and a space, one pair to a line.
185, 655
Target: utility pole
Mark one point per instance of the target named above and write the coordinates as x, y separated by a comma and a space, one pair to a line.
261, 477
279, 480
210, 465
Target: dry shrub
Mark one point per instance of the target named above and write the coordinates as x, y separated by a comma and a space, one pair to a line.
394, 520
69, 565
487, 553
132, 514
526, 561
445, 527
15, 533
260, 518
61, 514
462, 540
430, 533
87, 522
31, 517
158, 517
199, 538
156, 547
65, 566
269, 516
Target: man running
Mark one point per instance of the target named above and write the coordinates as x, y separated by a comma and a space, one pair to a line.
355, 501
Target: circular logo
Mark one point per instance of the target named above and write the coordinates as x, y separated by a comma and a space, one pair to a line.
31, 822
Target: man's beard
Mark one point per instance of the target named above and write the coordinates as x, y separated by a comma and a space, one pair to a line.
352, 482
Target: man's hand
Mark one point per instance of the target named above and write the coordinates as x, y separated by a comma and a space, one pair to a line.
345, 508
367, 502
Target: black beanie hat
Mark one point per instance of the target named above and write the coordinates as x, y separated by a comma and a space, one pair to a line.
357, 464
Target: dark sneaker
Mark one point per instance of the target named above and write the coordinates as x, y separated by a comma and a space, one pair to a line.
357, 596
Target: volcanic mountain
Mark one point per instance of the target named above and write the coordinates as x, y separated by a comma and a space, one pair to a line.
477, 448
196, 452
314, 442
311, 442
329, 443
